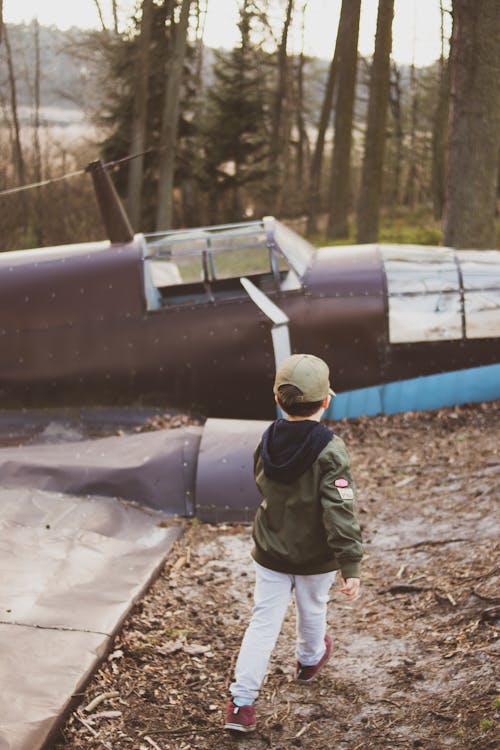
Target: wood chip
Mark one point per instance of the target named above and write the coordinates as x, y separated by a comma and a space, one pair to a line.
152, 743
400, 572
405, 481
107, 715
179, 563
195, 649
303, 730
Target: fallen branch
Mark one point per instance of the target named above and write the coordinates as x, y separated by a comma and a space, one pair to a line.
404, 588
493, 599
481, 577
92, 731
100, 699
181, 731
86, 724
303, 730
152, 743
428, 543
491, 614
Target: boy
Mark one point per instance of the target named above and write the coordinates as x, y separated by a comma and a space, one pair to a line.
304, 531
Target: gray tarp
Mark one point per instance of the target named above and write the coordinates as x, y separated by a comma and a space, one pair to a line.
153, 468
203, 471
71, 569
72, 563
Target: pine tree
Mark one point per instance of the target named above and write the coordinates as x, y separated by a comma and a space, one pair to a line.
118, 117
235, 128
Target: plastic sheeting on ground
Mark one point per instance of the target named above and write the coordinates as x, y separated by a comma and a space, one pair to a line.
154, 468
72, 567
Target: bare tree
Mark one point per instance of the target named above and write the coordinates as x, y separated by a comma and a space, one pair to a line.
302, 141
474, 138
1, 19
18, 150
280, 123
395, 102
99, 12
114, 7
170, 119
439, 129
373, 160
317, 159
139, 116
37, 153
340, 187
411, 177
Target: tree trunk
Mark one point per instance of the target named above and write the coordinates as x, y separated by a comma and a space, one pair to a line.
170, 120
395, 104
340, 188
191, 206
139, 117
303, 142
99, 13
37, 155
317, 159
114, 6
280, 126
1, 20
373, 161
411, 177
439, 128
18, 150
471, 185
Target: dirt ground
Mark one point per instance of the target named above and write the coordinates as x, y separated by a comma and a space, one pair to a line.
414, 657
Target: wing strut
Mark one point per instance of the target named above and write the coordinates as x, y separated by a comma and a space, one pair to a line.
279, 331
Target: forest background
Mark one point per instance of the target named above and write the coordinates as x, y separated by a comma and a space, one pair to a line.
351, 149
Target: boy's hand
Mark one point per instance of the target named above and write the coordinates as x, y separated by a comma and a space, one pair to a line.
350, 588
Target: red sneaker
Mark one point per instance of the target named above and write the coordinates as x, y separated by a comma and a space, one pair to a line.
306, 674
240, 718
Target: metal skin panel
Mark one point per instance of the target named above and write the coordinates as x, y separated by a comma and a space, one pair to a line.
75, 289
216, 357
225, 485
352, 326
349, 334
353, 271
428, 358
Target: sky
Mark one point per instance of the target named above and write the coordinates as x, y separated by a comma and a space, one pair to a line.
416, 26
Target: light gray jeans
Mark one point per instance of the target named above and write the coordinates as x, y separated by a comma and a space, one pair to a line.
272, 595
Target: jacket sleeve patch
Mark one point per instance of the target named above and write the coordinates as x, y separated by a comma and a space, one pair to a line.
346, 493
341, 482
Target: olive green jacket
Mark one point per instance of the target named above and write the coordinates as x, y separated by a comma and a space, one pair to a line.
309, 526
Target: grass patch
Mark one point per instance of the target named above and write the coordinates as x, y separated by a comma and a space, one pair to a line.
401, 227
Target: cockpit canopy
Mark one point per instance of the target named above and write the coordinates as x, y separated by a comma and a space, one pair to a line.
204, 263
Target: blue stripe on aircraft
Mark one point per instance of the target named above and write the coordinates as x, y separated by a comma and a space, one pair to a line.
419, 394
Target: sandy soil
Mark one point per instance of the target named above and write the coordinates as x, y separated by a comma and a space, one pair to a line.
414, 657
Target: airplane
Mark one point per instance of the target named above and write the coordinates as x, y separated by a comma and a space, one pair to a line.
198, 319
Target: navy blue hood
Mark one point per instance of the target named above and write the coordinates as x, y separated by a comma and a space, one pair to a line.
289, 448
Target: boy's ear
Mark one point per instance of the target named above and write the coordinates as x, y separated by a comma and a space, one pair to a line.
276, 399
326, 402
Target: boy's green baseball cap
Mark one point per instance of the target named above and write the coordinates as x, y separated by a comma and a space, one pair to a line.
308, 373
